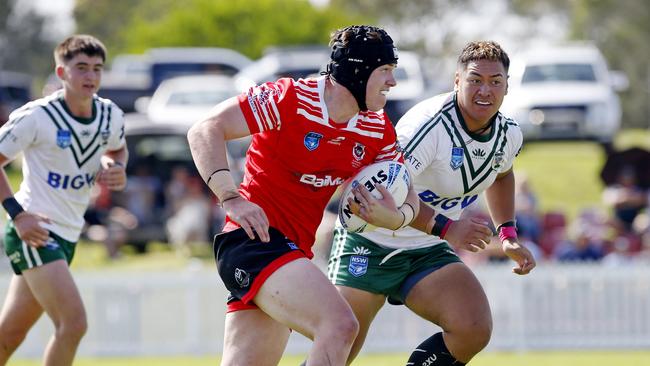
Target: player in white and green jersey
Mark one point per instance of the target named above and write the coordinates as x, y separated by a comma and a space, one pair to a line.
69, 141
457, 145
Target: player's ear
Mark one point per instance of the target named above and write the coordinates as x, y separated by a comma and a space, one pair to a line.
60, 71
456, 80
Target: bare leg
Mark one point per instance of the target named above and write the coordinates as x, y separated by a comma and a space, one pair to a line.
453, 298
253, 338
19, 313
54, 288
299, 295
365, 306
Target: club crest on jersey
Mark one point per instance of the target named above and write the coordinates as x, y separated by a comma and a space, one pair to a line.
456, 157
63, 138
498, 160
358, 265
312, 140
105, 135
359, 151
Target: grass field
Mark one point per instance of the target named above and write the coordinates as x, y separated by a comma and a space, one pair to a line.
566, 174
596, 358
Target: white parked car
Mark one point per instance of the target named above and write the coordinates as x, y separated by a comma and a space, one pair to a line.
185, 99
564, 92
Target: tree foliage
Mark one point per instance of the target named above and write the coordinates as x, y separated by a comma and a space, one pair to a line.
246, 26
621, 30
25, 46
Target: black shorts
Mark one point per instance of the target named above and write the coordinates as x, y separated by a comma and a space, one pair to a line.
245, 264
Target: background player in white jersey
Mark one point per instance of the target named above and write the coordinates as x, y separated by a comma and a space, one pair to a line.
70, 140
457, 145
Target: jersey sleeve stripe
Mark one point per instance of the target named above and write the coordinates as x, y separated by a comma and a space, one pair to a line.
253, 105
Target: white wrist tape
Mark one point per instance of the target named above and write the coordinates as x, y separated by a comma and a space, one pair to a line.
222, 184
409, 214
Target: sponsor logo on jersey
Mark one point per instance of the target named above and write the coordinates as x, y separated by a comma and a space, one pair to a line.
85, 133
63, 138
359, 151
415, 163
446, 203
358, 265
336, 140
105, 135
456, 157
292, 245
315, 181
478, 153
242, 277
312, 140
498, 160
64, 181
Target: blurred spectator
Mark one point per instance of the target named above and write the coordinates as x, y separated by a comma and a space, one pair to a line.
590, 230
526, 209
625, 197
190, 222
620, 254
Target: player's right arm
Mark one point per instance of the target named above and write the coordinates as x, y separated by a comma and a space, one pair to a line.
207, 140
27, 223
15, 136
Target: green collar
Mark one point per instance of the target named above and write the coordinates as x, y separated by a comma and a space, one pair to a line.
84, 120
473, 135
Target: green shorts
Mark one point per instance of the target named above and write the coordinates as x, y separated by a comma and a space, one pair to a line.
23, 256
359, 263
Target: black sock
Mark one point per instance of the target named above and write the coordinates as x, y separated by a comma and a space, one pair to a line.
433, 352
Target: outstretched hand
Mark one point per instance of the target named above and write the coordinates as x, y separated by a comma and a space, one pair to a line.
520, 254
471, 234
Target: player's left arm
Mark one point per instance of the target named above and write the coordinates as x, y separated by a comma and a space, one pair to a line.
113, 173
500, 198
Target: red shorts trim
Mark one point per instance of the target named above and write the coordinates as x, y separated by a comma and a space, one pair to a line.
246, 303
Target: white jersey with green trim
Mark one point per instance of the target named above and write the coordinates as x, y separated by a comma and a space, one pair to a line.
450, 166
61, 157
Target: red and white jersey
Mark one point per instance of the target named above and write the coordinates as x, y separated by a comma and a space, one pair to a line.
298, 156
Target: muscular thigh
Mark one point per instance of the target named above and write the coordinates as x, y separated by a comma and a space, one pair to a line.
260, 347
449, 296
299, 295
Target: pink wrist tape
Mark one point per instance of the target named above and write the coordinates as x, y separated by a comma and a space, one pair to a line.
507, 232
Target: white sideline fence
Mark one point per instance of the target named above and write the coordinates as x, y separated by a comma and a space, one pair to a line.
182, 312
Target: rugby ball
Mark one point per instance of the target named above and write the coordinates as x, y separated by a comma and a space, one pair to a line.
391, 174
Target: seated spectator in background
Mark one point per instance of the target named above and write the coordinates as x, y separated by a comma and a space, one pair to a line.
589, 229
626, 198
620, 254
526, 209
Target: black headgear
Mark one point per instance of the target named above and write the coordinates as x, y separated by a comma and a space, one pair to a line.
351, 64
